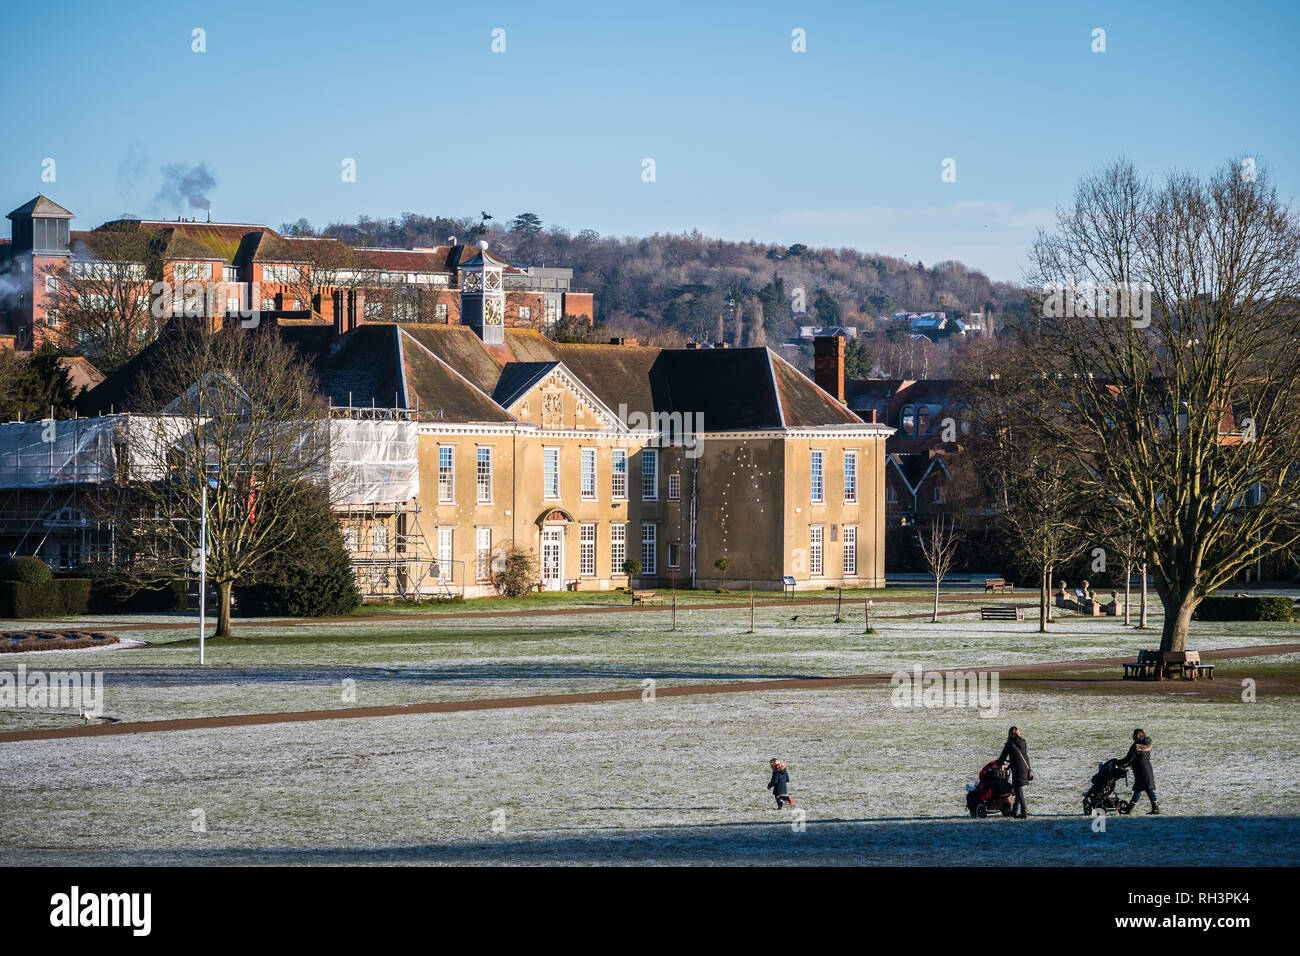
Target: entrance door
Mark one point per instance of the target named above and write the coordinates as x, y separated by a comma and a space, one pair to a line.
553, 559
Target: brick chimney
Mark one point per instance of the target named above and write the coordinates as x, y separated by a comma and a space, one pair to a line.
828, 365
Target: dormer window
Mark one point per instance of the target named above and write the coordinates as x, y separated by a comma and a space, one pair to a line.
908, 420
923, 420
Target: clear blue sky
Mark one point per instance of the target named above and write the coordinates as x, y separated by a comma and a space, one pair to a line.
840, 145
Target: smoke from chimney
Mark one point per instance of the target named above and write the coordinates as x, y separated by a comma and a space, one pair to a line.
187, 184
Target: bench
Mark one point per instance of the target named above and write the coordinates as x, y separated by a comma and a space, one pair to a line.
998, 586
645, 597
1153, 665
1003, 612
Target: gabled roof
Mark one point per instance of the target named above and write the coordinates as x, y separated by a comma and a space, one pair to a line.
40, 206
433, 385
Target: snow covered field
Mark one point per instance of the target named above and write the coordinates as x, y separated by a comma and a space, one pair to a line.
676, 780
408, 661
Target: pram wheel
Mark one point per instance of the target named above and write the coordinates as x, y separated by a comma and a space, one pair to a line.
1124, 807
1087, 806
981, 810
1006, 809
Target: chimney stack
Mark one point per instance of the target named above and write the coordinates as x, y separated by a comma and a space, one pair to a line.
828, 365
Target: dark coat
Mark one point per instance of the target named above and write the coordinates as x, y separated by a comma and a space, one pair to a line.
1016, 753
1138, 759
780, 780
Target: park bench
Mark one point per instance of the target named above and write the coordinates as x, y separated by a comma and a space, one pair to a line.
1152, 665
998, 586
1003, 612
645, 597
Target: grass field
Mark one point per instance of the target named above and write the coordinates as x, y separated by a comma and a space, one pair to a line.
678, 779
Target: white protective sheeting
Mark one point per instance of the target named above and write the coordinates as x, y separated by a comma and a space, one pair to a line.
373, 461
80, 450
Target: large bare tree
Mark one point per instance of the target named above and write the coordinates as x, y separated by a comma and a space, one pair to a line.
240, 426
1169, 367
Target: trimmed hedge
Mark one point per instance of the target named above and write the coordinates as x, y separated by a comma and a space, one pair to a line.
30, 571
112, 597
1244, 609
22, 600
74, 594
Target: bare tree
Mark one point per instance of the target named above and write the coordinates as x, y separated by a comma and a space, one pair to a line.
1173, 347
238, 424
938, 541
101, 305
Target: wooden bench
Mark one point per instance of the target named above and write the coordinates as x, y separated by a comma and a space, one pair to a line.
998, 586
645, 597
1002, 612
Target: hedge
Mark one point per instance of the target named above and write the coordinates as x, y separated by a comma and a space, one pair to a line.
74, 594
1244, 609
22, 600
30, 571
113, 597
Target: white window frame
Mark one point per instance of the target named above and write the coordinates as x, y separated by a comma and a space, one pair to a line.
440, 312
817, 476
649, 549
589, 466
379, 539
816, 551
482, 554
617, 548
447, 475
850, 477
649, 474
551, 470
483, 476
446, 553
618, 474
675, 486
587, 550
850, 537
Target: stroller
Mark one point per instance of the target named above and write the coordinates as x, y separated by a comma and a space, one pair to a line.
1101, 795
993, 792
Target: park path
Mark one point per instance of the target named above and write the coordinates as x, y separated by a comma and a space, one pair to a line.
547, 700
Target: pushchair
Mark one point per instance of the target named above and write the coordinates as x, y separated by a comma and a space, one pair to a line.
992, 792
1101, 794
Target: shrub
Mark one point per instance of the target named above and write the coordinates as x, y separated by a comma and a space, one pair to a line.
518, 572
1223, 608
632, 567
30, 571
22, 600
114, 596
74, 595
310, 573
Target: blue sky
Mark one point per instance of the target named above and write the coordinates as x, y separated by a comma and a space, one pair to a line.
838, 145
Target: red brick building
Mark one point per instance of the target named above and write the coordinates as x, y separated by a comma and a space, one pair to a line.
230, 271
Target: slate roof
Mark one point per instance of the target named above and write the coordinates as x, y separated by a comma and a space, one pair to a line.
43, 207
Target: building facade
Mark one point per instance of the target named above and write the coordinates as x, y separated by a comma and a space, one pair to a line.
229, 272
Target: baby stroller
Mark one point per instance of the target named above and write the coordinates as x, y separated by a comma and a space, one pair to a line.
1101, 795
993, 792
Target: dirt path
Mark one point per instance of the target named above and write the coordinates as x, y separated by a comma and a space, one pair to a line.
546, 700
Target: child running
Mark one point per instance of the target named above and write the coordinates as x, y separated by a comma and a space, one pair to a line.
779, 783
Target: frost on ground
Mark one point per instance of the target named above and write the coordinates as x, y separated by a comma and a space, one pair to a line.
675, 780
422, 659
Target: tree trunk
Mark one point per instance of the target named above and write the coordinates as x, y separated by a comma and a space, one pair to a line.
1142, 616
223, 609
1042, 601
935, 618
1178, 618
1128, 593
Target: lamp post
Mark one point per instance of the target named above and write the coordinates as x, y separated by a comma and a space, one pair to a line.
203, 564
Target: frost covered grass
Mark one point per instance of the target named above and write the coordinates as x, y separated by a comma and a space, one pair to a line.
676, 780
277, 668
